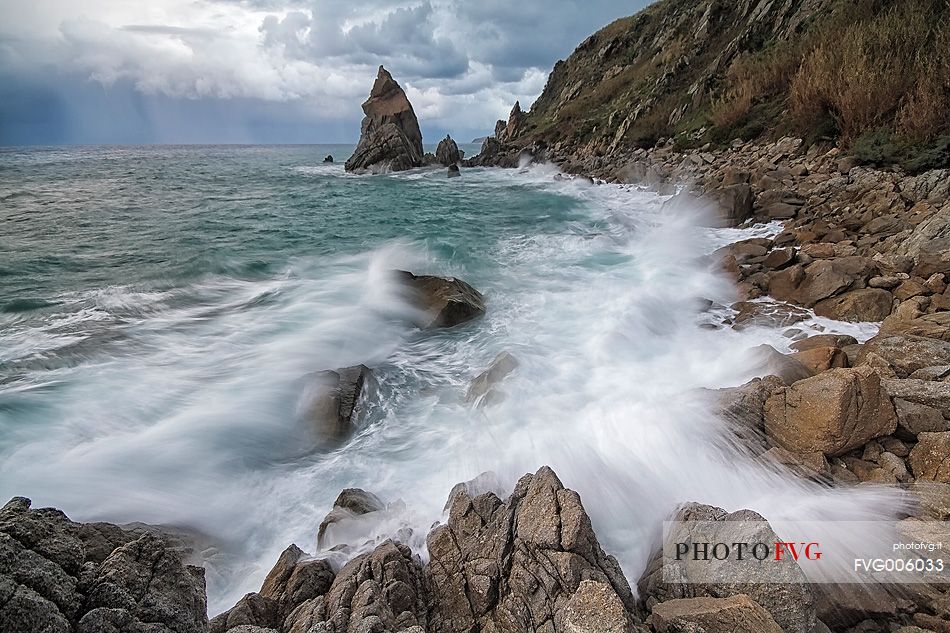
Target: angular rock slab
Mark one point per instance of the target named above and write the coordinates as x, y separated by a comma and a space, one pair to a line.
735, 614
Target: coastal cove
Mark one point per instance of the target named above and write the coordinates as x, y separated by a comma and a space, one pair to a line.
597, 290
693, 301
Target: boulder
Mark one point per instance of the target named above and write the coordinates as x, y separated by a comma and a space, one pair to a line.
779, 258
328, 159
447, 153
453, 171
390, 139
907, 354
743, 409
484, 387
823, 278
839, 341
930, 459
519, 564
732, 205
935, 325
441, 301
787, 597
352, 502
771, 362
332, 402
819, 359
925, 392
781, 211
735, 614
832, 413
914, 419
865, 304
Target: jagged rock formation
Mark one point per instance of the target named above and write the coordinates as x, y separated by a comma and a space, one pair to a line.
57, 576
530, 563
441, 301
447, 153
390, 139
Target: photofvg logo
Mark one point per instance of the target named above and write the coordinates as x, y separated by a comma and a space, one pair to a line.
739, 550
728, 552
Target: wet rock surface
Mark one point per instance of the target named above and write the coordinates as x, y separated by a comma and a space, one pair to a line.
441, 301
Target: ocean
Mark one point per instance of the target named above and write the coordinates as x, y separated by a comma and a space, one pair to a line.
161, 309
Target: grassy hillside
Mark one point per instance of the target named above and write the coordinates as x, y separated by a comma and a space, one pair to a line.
872, 75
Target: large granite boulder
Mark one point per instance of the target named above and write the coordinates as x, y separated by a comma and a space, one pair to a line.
390, 138
447, 153
832, 413
523, 564
441, 301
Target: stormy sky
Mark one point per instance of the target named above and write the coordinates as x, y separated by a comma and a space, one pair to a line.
273, 71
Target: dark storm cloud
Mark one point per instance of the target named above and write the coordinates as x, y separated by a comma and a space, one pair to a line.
170, 70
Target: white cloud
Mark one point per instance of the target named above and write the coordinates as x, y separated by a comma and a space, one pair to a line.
463, 63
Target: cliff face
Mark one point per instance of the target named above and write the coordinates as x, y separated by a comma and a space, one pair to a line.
716, 70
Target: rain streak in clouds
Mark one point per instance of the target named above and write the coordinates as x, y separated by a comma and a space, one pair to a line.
272, 70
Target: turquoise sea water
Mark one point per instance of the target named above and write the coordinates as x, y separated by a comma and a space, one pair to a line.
161, 308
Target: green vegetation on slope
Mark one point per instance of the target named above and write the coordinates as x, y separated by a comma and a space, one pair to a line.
873, 75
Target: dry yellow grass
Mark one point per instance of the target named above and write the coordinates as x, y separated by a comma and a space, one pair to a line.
887, 70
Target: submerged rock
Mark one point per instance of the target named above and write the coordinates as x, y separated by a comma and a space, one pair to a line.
447, 153
454, 171
484, 387
352, 502
441, 301
390, 139
328, 159
333, 402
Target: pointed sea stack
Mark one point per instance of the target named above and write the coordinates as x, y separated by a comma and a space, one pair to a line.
390, 139
447, 153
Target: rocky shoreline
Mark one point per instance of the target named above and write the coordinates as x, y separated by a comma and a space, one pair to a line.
858, 244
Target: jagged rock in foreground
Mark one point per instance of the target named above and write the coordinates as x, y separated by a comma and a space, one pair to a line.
57, 576
447, 153
390, 139
531, 563
441, 301
333, 402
